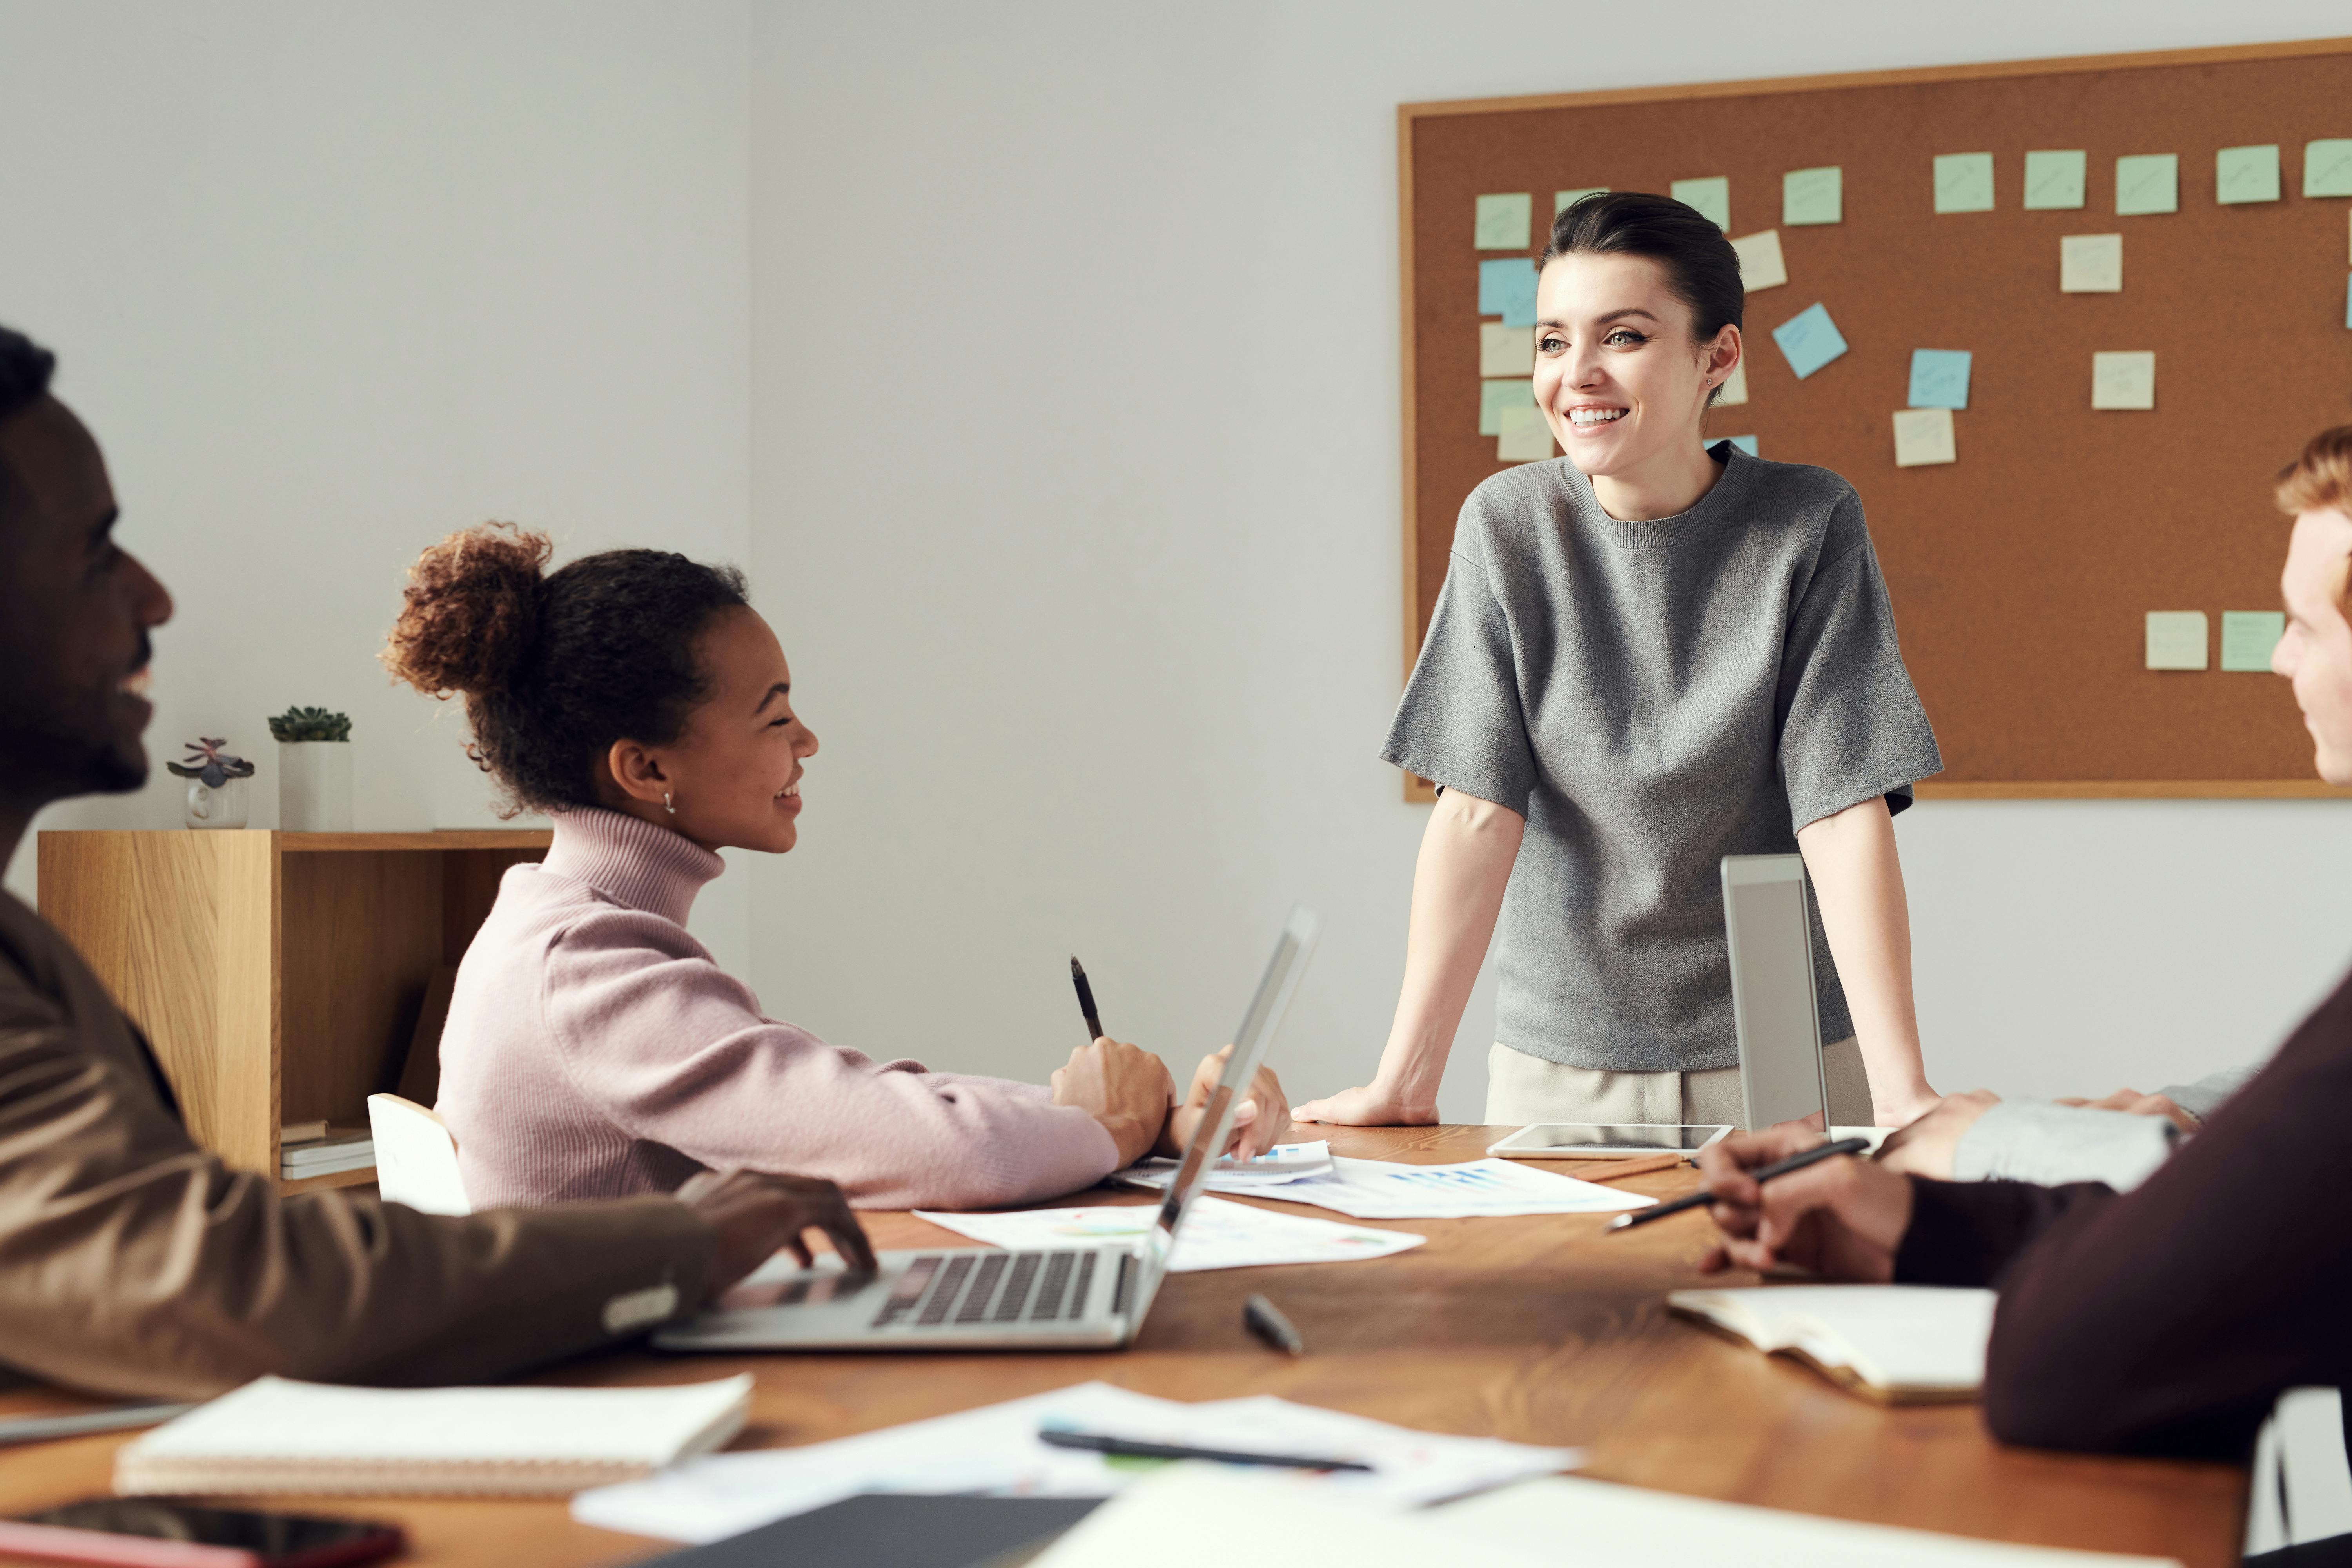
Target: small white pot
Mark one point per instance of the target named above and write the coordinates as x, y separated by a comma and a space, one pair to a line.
210, 808
314, 786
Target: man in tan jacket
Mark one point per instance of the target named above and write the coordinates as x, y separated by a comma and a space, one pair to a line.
132, 1261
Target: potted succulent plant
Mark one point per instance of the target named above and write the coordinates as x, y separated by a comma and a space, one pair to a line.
314, 770
215, 784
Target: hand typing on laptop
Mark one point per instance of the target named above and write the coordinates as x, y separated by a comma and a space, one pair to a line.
757, 1215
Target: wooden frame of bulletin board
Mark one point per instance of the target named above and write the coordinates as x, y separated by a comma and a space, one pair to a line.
2022, 571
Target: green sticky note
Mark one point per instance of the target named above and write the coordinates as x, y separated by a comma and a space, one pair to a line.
1563, 200
2054, 180
2148, 182
1712, 197
2328, 168
2249, 635
2246, 174
1503, 221
1964, 183
1493, 397
1812, 195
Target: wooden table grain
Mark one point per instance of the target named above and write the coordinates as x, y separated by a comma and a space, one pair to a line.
1541, 1329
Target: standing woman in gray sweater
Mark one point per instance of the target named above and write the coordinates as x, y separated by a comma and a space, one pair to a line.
1647, 656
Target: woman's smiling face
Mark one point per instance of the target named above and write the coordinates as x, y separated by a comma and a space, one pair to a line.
1617, 375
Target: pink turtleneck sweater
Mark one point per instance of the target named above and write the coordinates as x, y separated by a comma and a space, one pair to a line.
594, 1049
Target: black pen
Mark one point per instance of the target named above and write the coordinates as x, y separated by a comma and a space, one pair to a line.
1779, 1168
1264, 1319
1126, 1448
1086, 1000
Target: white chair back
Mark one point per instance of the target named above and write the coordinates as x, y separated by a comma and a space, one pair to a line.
415, 1157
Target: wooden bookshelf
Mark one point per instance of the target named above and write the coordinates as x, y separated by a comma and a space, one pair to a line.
279, 975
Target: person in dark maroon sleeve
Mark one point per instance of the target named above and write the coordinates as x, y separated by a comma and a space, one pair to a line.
2169, 1318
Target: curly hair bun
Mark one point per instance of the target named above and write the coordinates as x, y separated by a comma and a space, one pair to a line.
469, 612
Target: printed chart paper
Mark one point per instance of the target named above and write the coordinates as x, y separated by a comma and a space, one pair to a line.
1216, 1234
1382, 1189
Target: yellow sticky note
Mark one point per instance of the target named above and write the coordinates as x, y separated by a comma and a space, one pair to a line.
1812, 195
1504, 220
1563, 200
1710, 196
1735, 385
2177, 639
1506, 351
2125, 379
2091, 264
1923, 436
1761, 265
1964, 183
2246, 174
1525, 437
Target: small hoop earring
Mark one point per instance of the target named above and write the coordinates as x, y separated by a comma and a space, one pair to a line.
667, 805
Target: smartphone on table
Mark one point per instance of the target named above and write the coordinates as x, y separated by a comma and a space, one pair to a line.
165, 1532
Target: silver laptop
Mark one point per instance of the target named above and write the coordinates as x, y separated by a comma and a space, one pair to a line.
966, 1299
1766, 914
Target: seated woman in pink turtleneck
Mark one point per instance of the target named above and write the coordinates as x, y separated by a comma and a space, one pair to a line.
594, 1048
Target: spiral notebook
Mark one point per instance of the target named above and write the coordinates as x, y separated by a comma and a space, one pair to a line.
275, 1436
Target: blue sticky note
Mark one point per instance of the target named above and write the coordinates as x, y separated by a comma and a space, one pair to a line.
1810, 339
1745, 443
1507, 288
1939, 378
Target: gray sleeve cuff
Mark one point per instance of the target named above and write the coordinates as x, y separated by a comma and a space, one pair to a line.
2200, 1099
2052, 1146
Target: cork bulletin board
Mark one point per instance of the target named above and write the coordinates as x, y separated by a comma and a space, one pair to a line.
2023, 572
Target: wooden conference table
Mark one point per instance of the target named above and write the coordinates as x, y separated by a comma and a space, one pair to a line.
1542, 1330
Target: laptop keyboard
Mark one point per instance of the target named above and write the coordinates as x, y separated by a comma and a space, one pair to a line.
957, 1289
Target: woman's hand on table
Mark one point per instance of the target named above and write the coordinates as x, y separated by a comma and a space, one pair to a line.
1260, 1122
1928, 1146
2132, 1102
1842, 1218
1125, 1087
1374, 1105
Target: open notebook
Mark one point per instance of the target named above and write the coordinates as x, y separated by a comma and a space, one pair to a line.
278, 1437
1899, 1344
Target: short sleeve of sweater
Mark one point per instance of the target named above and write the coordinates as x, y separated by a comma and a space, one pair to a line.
1460, 725
1850, 723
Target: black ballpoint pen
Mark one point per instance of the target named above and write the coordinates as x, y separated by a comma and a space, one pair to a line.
1778, 1168
1135, 1448
1086, 1000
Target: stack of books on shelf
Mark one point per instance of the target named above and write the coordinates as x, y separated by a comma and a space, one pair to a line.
315, 1149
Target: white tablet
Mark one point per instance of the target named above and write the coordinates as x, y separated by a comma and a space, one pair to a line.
1582, 1140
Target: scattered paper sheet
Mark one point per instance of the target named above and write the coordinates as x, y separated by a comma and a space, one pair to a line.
2175, 639
1382, 1189
1525, 436
1810, 339
1216, 1234
2148, 182
1761, 265
1711, 197
1282, 1164
1745, 443
1964, 183
1495, 396
2248, 637
1563, 200
994, 1451
1923, 436
1734, 390
1504, 221
1939, 378
1506, 288
2055, 180
2091, 264
1812, 195
2246, 174
2123, 380
1506, 351
2328, 168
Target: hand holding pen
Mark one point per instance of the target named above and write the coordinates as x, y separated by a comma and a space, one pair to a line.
1842, 1218
1262, 1119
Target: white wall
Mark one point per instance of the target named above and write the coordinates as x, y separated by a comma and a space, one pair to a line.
1075, 497
329, 281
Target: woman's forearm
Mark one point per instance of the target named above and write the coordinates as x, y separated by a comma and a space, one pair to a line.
1858, 880
1466, 861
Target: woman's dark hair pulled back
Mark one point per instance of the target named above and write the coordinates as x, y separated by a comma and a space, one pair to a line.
555, 666
1701, 268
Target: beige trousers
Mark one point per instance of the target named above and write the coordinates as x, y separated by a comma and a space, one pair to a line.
1522, 1089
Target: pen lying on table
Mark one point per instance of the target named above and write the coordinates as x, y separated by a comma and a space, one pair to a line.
1131, 1448
1701, 1198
